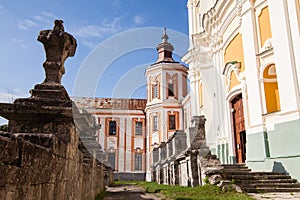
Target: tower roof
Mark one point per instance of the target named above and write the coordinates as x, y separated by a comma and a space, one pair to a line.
165, 49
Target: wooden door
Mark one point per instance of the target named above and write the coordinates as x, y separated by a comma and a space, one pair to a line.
239, 128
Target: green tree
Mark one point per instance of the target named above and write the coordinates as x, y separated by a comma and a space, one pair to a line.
4, 127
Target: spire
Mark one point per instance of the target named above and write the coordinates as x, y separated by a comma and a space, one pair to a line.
165, 49
165, 37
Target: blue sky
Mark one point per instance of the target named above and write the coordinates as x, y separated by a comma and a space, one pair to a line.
93, 24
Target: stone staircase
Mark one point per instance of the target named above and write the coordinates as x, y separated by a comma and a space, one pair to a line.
256, 182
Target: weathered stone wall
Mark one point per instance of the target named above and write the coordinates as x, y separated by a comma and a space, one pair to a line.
40, 166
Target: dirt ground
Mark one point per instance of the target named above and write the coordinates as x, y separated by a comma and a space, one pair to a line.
130, 192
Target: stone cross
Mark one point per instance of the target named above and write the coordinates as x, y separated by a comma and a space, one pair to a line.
59, 45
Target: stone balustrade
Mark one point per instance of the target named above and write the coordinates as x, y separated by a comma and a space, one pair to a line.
184, 158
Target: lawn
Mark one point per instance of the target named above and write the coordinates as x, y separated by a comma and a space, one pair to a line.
207, 192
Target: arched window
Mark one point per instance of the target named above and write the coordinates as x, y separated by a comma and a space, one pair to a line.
272, 99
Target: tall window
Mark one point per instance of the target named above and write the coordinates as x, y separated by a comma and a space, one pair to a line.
172, 123
272, 98
112, 159
112, 127
171, 90
138, 161
138, 128
185, 119
155, 123
155, 91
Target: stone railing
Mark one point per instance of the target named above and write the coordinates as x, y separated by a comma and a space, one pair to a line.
182, 163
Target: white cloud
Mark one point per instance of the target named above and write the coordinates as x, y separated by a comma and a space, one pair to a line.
19, 43
115, 3
49, 15
88, 44
88, 31
26, 24
42, 19
9, 95
105, 27
138, 20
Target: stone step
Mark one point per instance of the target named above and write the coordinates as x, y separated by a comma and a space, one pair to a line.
267, 181
229, 170
259, 181
256, 177
271, 185
265, 190
246, 172
233, 165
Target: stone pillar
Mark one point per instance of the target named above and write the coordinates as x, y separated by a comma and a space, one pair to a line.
161, 175
179, 142
155, 154
58, 45
176, 172
49, 109
194, 170
163, 151
153, 175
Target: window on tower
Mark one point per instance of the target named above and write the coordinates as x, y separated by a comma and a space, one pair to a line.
172, 122
138, 128
171, 90
155, 91
112, 127
155, 123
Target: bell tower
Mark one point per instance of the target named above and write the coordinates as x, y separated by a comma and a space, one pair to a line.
166, 88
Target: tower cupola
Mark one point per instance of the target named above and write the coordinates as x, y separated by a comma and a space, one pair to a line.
165, 49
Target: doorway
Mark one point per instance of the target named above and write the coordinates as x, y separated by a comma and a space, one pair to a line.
239, 128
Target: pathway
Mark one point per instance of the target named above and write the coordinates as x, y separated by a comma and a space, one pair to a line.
130, 192
275, 196
134, 192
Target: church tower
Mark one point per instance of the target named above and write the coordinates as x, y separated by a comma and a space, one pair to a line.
166, 88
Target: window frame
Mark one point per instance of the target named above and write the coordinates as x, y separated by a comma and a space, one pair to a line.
110, 131
140, 132
171, 92
138, 161
172, 126
155, 123
155, 91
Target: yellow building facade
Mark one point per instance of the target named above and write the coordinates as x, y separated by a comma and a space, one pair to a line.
244, 77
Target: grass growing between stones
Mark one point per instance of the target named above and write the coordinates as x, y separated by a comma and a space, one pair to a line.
207, 192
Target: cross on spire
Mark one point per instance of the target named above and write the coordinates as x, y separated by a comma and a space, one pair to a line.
165, 37
165, 49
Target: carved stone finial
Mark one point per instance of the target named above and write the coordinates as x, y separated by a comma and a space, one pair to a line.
59, 45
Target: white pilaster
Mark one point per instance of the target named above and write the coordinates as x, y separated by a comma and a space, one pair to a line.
253, 96
284, 56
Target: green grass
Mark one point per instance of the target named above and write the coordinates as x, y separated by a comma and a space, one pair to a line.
100, 196
176, 192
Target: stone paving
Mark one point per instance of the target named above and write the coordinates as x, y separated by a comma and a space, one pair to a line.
129, 192
275, 196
